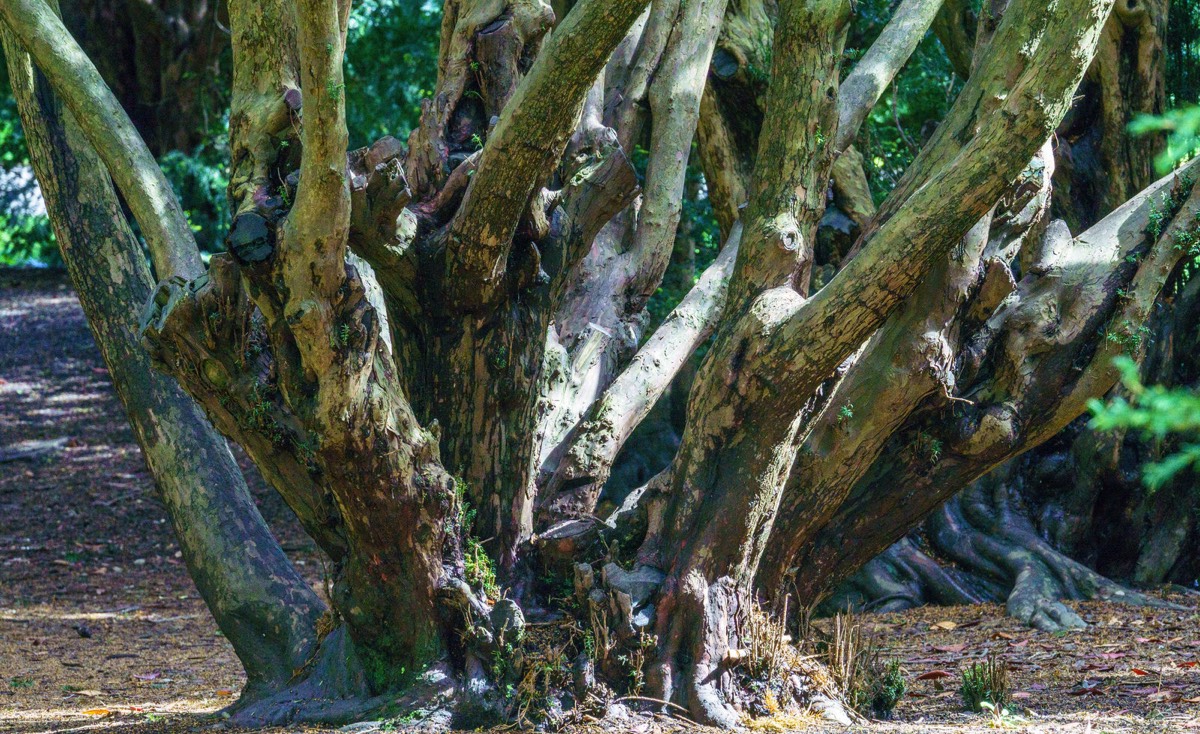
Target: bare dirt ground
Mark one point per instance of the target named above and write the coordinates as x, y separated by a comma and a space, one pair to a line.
101, 629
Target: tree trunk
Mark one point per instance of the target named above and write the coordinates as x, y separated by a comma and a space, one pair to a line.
262, 606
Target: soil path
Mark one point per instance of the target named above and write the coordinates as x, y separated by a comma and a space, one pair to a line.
101, 628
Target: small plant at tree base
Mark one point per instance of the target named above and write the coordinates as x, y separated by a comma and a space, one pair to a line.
1002, 718
881, 687
478, 569
986, 682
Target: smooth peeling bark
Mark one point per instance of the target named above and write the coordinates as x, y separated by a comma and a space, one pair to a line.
787, 200
501, 265
906, 361
574, 489
585, 455
261, 605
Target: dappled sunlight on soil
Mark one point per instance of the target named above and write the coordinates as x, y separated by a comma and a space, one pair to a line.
101, 630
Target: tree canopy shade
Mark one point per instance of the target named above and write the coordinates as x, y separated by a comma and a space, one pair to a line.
435, 351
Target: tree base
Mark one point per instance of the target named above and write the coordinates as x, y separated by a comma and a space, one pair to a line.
594, 659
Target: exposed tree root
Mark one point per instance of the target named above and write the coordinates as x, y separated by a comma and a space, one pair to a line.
998, 555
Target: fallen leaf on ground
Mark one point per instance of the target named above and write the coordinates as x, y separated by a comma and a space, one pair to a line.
945, 624
97, 712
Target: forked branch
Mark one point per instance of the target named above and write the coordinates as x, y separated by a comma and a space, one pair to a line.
527, 142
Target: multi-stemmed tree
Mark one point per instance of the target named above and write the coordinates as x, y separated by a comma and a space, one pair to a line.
434, 352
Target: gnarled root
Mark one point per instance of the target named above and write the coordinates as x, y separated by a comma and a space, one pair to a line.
985, 530
713, 643
998, 555
905, 577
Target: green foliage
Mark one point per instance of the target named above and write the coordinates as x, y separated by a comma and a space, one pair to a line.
200, 180
986, 682
845, 413
1128, 336
928, 447
1155, 412
885, 687
391, 65
1002, 718
23, 238
880, 688
26, 239
479, 570
1182, 128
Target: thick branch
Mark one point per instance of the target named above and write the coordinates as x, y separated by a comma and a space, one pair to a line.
583, 470
875, 71
265, 73
262, 606
311, 262
791, 173
936, 215
320, 219
110, 132
526, 144
674, 108
1082, 307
